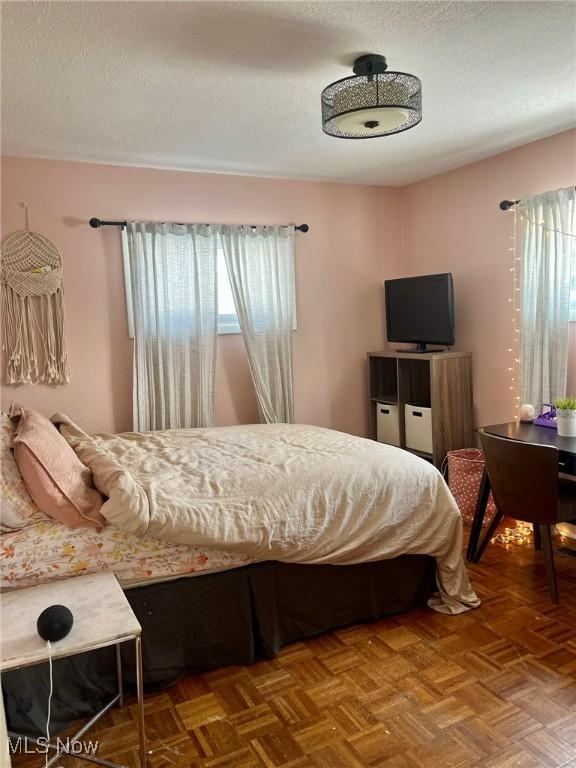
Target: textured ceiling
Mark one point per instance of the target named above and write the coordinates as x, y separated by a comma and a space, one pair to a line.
235, 86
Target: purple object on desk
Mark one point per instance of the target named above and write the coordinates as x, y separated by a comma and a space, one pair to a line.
547, 419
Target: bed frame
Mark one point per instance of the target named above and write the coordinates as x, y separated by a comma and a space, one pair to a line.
212, 620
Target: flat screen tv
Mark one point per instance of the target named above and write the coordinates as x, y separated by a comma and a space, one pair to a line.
420, 310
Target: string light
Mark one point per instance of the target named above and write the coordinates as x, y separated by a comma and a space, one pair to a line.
514, 350
519, 535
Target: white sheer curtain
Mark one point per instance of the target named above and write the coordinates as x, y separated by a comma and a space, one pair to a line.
172, 290
260, 262
549, 258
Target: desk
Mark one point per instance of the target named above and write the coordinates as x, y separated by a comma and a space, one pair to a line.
527, 433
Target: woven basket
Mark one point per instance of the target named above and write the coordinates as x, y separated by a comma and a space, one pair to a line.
465, 469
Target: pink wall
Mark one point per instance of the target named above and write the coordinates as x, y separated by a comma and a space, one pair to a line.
452, 223
352, 246
359, 236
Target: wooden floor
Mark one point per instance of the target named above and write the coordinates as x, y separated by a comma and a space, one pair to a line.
495, 688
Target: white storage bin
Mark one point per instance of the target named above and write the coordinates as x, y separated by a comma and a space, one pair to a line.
387, 424
418, 428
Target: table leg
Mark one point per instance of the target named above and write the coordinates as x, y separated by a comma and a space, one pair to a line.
4, 736
481, 504
140, 688
119, 676
490, 531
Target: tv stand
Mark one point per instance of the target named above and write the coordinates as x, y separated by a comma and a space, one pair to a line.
437, 384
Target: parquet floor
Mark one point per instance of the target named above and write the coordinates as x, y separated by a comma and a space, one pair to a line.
493, 688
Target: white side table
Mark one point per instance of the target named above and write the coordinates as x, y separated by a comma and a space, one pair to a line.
102, 617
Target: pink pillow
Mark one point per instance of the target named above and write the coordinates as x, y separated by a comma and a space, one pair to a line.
55, 477
17, 510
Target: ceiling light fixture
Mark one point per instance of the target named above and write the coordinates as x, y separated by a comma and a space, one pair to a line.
372, 103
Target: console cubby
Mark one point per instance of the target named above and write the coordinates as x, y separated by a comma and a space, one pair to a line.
440, 382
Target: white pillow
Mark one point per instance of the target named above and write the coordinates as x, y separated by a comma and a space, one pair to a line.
17, 510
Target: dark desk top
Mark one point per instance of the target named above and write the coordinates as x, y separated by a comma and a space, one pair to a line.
530, 433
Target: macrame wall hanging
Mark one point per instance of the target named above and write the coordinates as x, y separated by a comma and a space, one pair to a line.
33, 310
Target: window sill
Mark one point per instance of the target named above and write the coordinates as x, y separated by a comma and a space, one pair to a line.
227, 324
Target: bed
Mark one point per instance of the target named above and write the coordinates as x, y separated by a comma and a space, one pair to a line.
233, 541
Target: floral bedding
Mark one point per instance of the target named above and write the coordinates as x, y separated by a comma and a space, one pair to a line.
49, 550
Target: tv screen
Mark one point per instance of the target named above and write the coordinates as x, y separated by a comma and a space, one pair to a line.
420, 309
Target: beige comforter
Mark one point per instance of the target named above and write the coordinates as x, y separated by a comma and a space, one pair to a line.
280, 492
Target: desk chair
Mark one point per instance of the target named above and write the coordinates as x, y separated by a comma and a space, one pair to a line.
525, 483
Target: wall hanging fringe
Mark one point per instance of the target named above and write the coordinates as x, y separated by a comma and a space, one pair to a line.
33, 310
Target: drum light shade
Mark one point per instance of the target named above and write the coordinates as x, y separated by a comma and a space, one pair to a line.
372, 103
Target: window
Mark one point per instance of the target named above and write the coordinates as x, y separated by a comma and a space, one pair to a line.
227, 317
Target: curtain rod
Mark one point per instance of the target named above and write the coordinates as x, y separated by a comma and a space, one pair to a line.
96, 223
505, 205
